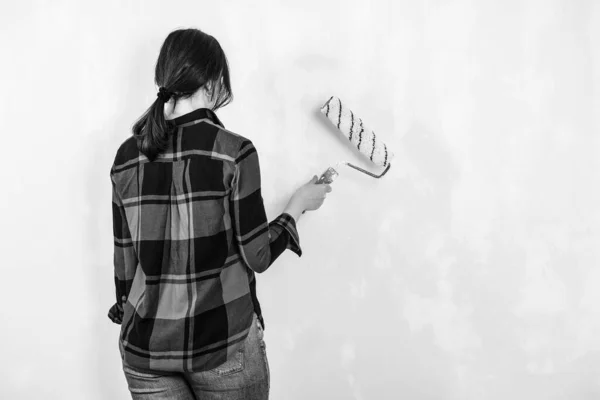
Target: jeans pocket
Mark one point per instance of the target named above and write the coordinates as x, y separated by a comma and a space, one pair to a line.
139, 374
232, 366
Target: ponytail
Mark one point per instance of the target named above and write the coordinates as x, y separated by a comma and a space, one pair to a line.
152, 130
189, 59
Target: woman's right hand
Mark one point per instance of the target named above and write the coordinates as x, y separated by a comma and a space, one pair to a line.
308, 197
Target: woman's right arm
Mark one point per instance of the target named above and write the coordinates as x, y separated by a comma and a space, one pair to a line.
260, 242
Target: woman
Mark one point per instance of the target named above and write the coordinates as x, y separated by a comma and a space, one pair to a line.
190, 232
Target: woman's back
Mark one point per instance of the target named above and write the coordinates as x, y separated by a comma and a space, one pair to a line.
195, 222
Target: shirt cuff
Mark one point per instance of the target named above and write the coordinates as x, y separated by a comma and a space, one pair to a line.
116, 313
287, 222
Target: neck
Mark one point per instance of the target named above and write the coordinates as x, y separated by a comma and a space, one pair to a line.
185, 106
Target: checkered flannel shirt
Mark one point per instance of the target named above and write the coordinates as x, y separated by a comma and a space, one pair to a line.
190, 231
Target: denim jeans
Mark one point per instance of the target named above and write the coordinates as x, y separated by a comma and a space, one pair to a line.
245, 376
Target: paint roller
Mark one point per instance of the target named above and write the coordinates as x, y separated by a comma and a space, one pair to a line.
354, 129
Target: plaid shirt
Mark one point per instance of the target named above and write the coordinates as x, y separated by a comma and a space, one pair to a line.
190, 230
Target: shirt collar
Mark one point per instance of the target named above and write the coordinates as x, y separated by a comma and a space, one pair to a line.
197, 115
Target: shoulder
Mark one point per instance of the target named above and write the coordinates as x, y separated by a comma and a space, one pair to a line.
233, 143
125, 154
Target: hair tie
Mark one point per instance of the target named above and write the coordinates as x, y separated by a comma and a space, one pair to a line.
164, 94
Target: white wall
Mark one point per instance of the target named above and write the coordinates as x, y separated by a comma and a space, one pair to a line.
470, 271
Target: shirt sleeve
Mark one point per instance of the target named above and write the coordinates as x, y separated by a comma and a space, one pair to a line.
125, 259
260, 242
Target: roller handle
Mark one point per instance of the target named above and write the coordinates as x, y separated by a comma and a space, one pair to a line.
327, 177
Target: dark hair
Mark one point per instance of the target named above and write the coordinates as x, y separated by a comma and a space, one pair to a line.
188, 60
